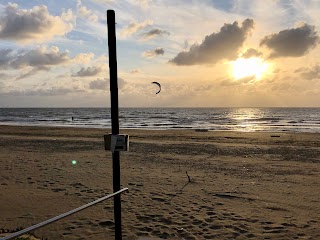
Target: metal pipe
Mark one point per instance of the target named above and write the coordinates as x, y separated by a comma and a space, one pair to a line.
54, 219
114, 118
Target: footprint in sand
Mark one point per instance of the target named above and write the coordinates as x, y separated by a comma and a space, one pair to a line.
58, 189
106, 224
215, 227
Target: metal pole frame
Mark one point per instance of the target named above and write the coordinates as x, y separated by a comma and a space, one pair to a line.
114, 118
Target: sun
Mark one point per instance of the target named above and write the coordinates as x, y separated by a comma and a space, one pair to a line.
248, 67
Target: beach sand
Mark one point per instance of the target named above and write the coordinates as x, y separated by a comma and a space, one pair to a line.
243, 185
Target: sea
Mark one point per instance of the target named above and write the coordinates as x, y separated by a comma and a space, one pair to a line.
211, 119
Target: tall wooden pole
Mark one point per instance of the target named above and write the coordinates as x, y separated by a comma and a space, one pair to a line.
114, 118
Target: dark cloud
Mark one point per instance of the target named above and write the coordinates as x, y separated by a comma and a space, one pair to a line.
40, 57
154, 52
217, 46
121, 83
154, 33
37, 58
33, 72
103, 84
99, 84
310, 73
5, 58
159, 51
251, 52
294, 42
35, 24
87, 72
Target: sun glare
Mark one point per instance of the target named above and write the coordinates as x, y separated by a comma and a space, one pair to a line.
247, 67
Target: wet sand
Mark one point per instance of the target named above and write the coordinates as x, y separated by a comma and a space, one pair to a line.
243, 185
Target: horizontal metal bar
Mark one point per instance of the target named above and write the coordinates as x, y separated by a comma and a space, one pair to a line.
51, 220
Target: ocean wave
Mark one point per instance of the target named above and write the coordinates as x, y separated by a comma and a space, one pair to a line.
234, 119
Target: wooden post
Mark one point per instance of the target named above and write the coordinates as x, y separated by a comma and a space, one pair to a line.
114, 118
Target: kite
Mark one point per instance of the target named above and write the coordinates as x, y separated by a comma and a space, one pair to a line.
158, 86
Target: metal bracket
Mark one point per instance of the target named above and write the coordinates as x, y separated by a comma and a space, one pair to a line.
118, 142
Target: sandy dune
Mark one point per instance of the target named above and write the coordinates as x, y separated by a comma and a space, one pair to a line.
243, 185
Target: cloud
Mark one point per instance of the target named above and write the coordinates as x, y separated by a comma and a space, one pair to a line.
134, 27
142, 3
217, 46
87, 72
310, 73
103, 84
154, 33
39, 57
5, 58
294, 42
86, 13
134, 71
103, 1
99, 84
3, 76
121, 83
83, 58
33, 72
299, 70
36, 24
154, 52
54, 91
232, 82
251, 52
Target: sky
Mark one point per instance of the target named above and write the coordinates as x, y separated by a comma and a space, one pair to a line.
205, 53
